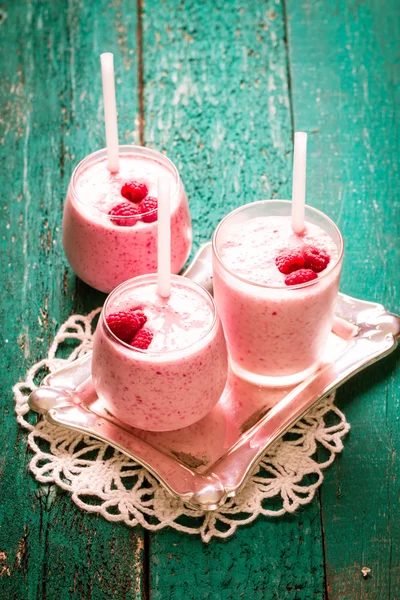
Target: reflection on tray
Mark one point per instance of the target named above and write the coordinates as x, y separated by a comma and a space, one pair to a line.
202, 444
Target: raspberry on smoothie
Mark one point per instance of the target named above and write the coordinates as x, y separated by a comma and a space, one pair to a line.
109, 234
134, 191
276, 290
159, 363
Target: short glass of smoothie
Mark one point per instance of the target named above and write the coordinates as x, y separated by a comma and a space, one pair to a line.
275, 291
160, 364
110, 219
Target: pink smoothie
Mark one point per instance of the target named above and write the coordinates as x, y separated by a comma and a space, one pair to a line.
276, 334
182, 374
103, 252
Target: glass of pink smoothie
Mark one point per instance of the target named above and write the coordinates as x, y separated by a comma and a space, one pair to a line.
159, 363
106, 249
275, 290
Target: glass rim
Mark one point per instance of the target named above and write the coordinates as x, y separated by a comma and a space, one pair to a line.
153, 278
278, 287
125, 148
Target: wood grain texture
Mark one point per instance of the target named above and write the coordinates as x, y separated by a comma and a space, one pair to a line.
272, 559
216, 100
344, 59
51, 116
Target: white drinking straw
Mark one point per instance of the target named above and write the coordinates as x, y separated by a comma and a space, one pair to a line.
110, 110
164, 237
299, 181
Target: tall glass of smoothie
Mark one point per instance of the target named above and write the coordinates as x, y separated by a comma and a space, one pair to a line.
159, 363
276, 290
110, 219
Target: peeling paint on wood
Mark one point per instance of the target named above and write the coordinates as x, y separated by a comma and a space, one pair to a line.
50, 117
345, 86
215, 86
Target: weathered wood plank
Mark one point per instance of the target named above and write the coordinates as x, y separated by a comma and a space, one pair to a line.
275, 559
216, 100
50, 118
344, 60
207, 74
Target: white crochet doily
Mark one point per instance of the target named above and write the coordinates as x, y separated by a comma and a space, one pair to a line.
102, 480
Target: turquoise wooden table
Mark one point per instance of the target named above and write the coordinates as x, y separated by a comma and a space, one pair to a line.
220, 86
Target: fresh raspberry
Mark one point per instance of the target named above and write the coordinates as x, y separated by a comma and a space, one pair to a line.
126, 324
146, 206
141, 316
125, 211
134, 191
300, 276
142, 339
289, 260
315, 258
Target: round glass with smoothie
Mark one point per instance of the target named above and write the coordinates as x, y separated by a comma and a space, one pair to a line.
159, 363
276, 290
110, 219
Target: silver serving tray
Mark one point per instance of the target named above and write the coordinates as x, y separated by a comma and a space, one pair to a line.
210, 461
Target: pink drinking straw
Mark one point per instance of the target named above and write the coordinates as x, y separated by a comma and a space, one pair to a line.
164, 237
299, 181
110, 110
